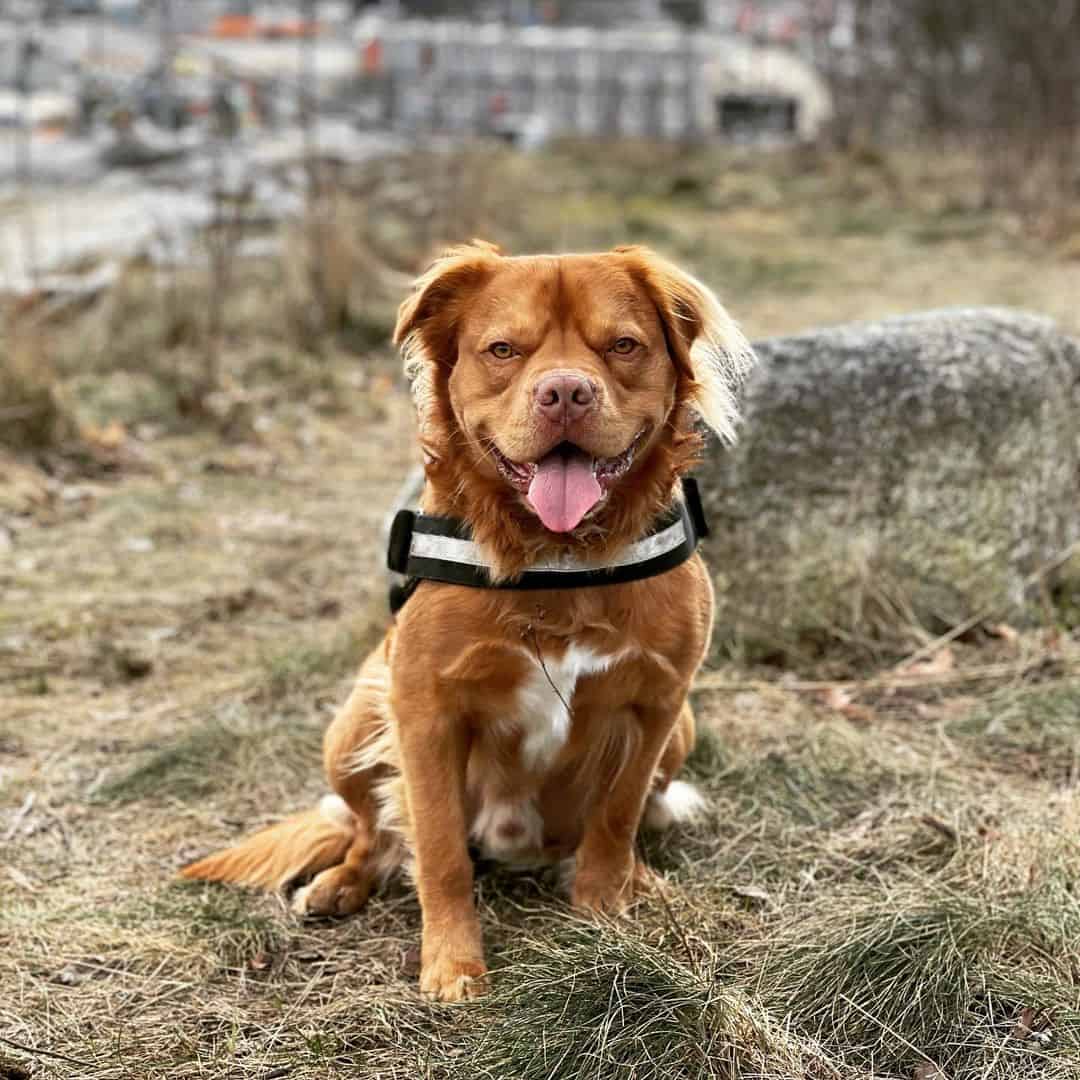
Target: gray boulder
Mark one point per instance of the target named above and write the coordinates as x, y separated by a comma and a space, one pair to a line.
893, 479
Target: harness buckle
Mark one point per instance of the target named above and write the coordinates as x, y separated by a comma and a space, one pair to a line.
397, 551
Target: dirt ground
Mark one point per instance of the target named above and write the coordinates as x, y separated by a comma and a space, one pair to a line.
887, 885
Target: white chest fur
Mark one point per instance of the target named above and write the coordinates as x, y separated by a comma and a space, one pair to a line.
544, 699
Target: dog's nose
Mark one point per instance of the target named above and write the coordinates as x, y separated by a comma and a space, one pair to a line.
564, 397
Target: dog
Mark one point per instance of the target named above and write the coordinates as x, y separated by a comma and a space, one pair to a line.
560, 402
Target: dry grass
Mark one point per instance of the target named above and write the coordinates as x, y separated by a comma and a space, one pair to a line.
33, 413
887, 880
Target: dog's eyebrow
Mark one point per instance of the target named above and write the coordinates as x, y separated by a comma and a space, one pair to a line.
602, 333
515, 333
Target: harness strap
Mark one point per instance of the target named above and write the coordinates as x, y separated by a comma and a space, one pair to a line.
424, 547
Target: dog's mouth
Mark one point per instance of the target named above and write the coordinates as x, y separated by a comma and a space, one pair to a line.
567, 482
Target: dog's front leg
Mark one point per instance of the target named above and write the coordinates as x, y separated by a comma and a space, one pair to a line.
607, 875
434, 755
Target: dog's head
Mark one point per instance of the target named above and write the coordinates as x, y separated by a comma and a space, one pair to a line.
559, 397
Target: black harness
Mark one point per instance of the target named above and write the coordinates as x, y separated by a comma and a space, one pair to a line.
428, 548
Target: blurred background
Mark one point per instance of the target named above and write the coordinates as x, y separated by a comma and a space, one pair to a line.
772, 143
169, 166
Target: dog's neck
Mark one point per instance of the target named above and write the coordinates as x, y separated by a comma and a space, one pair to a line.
512, 537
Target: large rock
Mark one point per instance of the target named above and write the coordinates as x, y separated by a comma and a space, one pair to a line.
893, 479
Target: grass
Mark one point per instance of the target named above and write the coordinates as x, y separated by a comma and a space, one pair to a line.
1035, 730
602, 1002
941, 978
33, 413
194, 765
885, 884
231, 925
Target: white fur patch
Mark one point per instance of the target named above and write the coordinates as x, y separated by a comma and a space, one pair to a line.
680, 801
334, 808
299, 903
504, 829
544, 701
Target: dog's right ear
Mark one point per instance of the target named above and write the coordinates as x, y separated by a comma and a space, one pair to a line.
427, 321
438, 294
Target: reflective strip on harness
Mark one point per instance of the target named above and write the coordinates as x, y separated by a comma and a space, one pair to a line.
428, 548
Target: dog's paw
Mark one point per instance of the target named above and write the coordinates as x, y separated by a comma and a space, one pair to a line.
453, 978
678, 802
341, 890
612, 890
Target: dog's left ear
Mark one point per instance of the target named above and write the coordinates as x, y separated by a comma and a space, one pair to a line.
703, 340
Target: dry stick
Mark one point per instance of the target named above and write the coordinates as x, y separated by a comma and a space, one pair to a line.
980, 616
669, 912
547, 675
714, 681
36, 1052
886, 1028
20, 814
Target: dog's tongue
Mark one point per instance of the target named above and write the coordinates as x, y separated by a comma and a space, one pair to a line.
564, 489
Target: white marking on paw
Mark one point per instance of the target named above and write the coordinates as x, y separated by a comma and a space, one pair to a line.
680, 801
299, 900
334, 808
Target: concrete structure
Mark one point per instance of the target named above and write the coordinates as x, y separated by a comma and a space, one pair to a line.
659, 81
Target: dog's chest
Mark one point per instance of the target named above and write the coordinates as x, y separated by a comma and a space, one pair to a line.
543, 702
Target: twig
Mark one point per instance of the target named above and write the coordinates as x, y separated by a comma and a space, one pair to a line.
714, 681
36, 1052
891, 1031
20, 814
669, 913
530, 629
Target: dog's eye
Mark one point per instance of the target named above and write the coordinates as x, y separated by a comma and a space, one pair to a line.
624, 346
501, 350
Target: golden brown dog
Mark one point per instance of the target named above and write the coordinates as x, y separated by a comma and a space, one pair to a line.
560, 400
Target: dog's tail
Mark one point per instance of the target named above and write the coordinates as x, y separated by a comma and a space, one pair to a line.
296, 848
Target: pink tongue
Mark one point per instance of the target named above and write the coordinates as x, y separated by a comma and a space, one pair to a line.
564, 489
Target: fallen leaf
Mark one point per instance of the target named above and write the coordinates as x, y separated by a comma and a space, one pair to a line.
836, 698
410, 962
940, 663
839, 699
940, 826
751, 892
112, 436
927, 1070
1032, 1024
69, 976
1022, 1027
1004, 631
